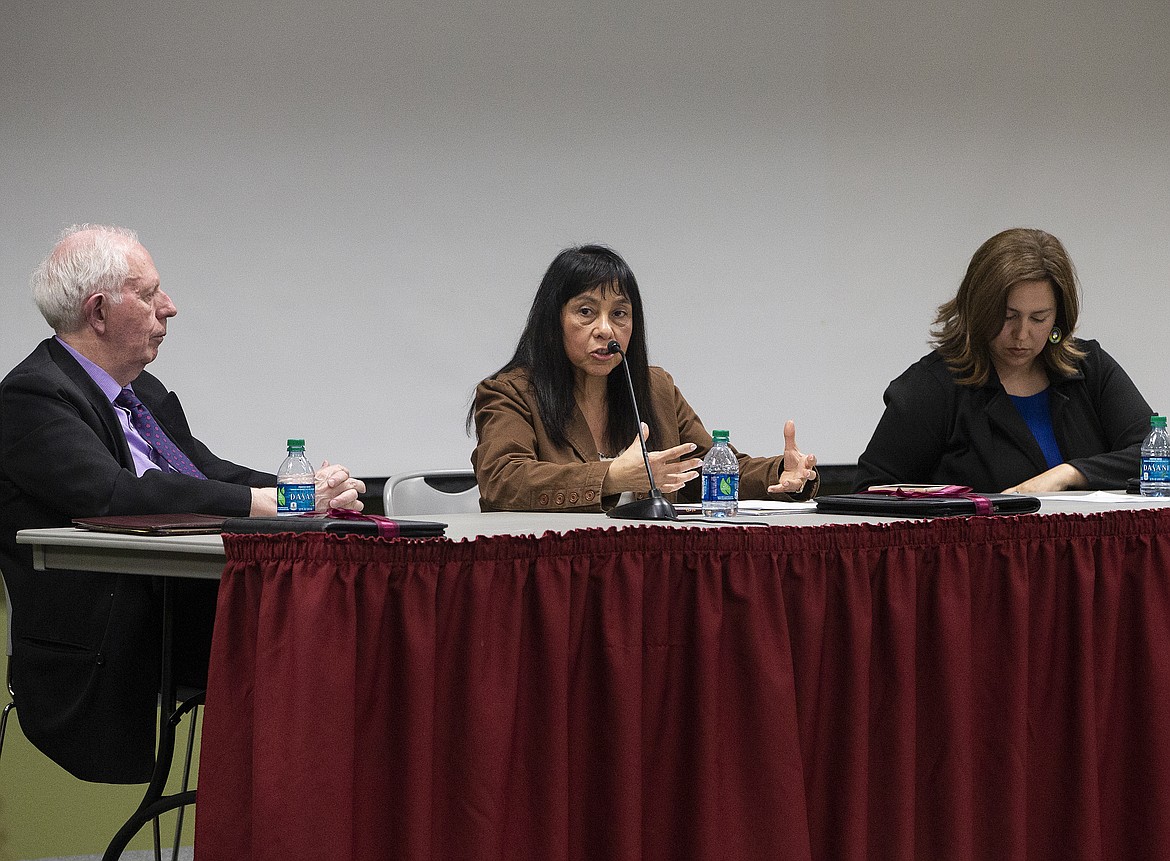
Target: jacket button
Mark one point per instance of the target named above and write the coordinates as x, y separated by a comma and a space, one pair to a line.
560, 499
543, 499
574, 498
101, 659
589, 495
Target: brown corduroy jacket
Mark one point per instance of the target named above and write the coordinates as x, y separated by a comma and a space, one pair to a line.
519, 468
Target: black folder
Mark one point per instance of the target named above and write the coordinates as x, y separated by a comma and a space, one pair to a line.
325, 523
889, 505
153, 524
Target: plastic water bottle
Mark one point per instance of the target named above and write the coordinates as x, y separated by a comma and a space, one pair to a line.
296, 484
720, 478
1155, 475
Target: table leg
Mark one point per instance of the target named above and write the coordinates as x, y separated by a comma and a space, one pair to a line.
155, 802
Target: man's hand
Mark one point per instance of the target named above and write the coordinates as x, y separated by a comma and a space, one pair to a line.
336, 488
263, 502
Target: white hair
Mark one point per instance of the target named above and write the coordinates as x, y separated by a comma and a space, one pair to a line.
87, 259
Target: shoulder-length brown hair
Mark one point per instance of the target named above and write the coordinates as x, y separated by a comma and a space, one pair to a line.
966, 325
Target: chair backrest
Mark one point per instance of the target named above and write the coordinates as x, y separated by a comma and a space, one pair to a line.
438, 491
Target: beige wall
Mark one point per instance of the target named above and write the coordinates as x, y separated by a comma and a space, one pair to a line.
360, 198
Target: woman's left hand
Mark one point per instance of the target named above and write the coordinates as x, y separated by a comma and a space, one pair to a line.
1060, 477
798, 466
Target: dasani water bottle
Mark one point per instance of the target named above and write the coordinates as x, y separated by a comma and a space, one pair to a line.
1155, 474
720, 478
296, 484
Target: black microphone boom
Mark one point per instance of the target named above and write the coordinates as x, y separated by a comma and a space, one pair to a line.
655, 506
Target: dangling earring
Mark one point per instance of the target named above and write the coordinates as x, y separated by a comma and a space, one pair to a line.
1055, 335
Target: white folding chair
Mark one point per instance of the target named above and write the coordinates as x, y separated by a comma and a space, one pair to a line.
440, 491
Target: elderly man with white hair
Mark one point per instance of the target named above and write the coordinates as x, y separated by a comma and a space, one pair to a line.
85, 431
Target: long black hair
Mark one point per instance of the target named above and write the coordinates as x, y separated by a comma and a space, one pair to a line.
541, 350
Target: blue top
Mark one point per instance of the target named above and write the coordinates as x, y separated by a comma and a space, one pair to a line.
1034, 409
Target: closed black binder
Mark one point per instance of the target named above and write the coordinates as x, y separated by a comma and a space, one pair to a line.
337, 525
889, 505
153, 524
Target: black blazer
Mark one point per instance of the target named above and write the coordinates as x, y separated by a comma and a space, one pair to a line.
85, 646
935, 431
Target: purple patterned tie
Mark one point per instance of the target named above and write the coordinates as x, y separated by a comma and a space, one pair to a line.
145, 424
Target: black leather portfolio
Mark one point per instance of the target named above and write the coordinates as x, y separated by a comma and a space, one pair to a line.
890, 505
366, 525
153, 524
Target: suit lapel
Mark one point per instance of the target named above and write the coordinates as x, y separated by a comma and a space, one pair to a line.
1003, 415
166, 410
87, 391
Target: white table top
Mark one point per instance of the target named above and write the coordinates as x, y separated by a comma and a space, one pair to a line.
203, 555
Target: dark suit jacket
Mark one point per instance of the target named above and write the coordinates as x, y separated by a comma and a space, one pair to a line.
518, 468
85, 646
935, 431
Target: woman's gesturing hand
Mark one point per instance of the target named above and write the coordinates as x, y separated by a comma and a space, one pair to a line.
671, 472
798, 466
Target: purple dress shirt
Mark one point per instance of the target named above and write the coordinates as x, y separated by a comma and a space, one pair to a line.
140, 449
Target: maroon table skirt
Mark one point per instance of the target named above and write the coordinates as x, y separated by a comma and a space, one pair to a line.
977, 688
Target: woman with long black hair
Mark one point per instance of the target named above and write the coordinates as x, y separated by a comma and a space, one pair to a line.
555, 427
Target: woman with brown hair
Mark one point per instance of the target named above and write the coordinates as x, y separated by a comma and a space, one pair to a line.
1009, 400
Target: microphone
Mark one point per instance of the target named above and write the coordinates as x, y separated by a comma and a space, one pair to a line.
655, 506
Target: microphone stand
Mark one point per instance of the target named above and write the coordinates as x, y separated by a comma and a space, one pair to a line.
655, 506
